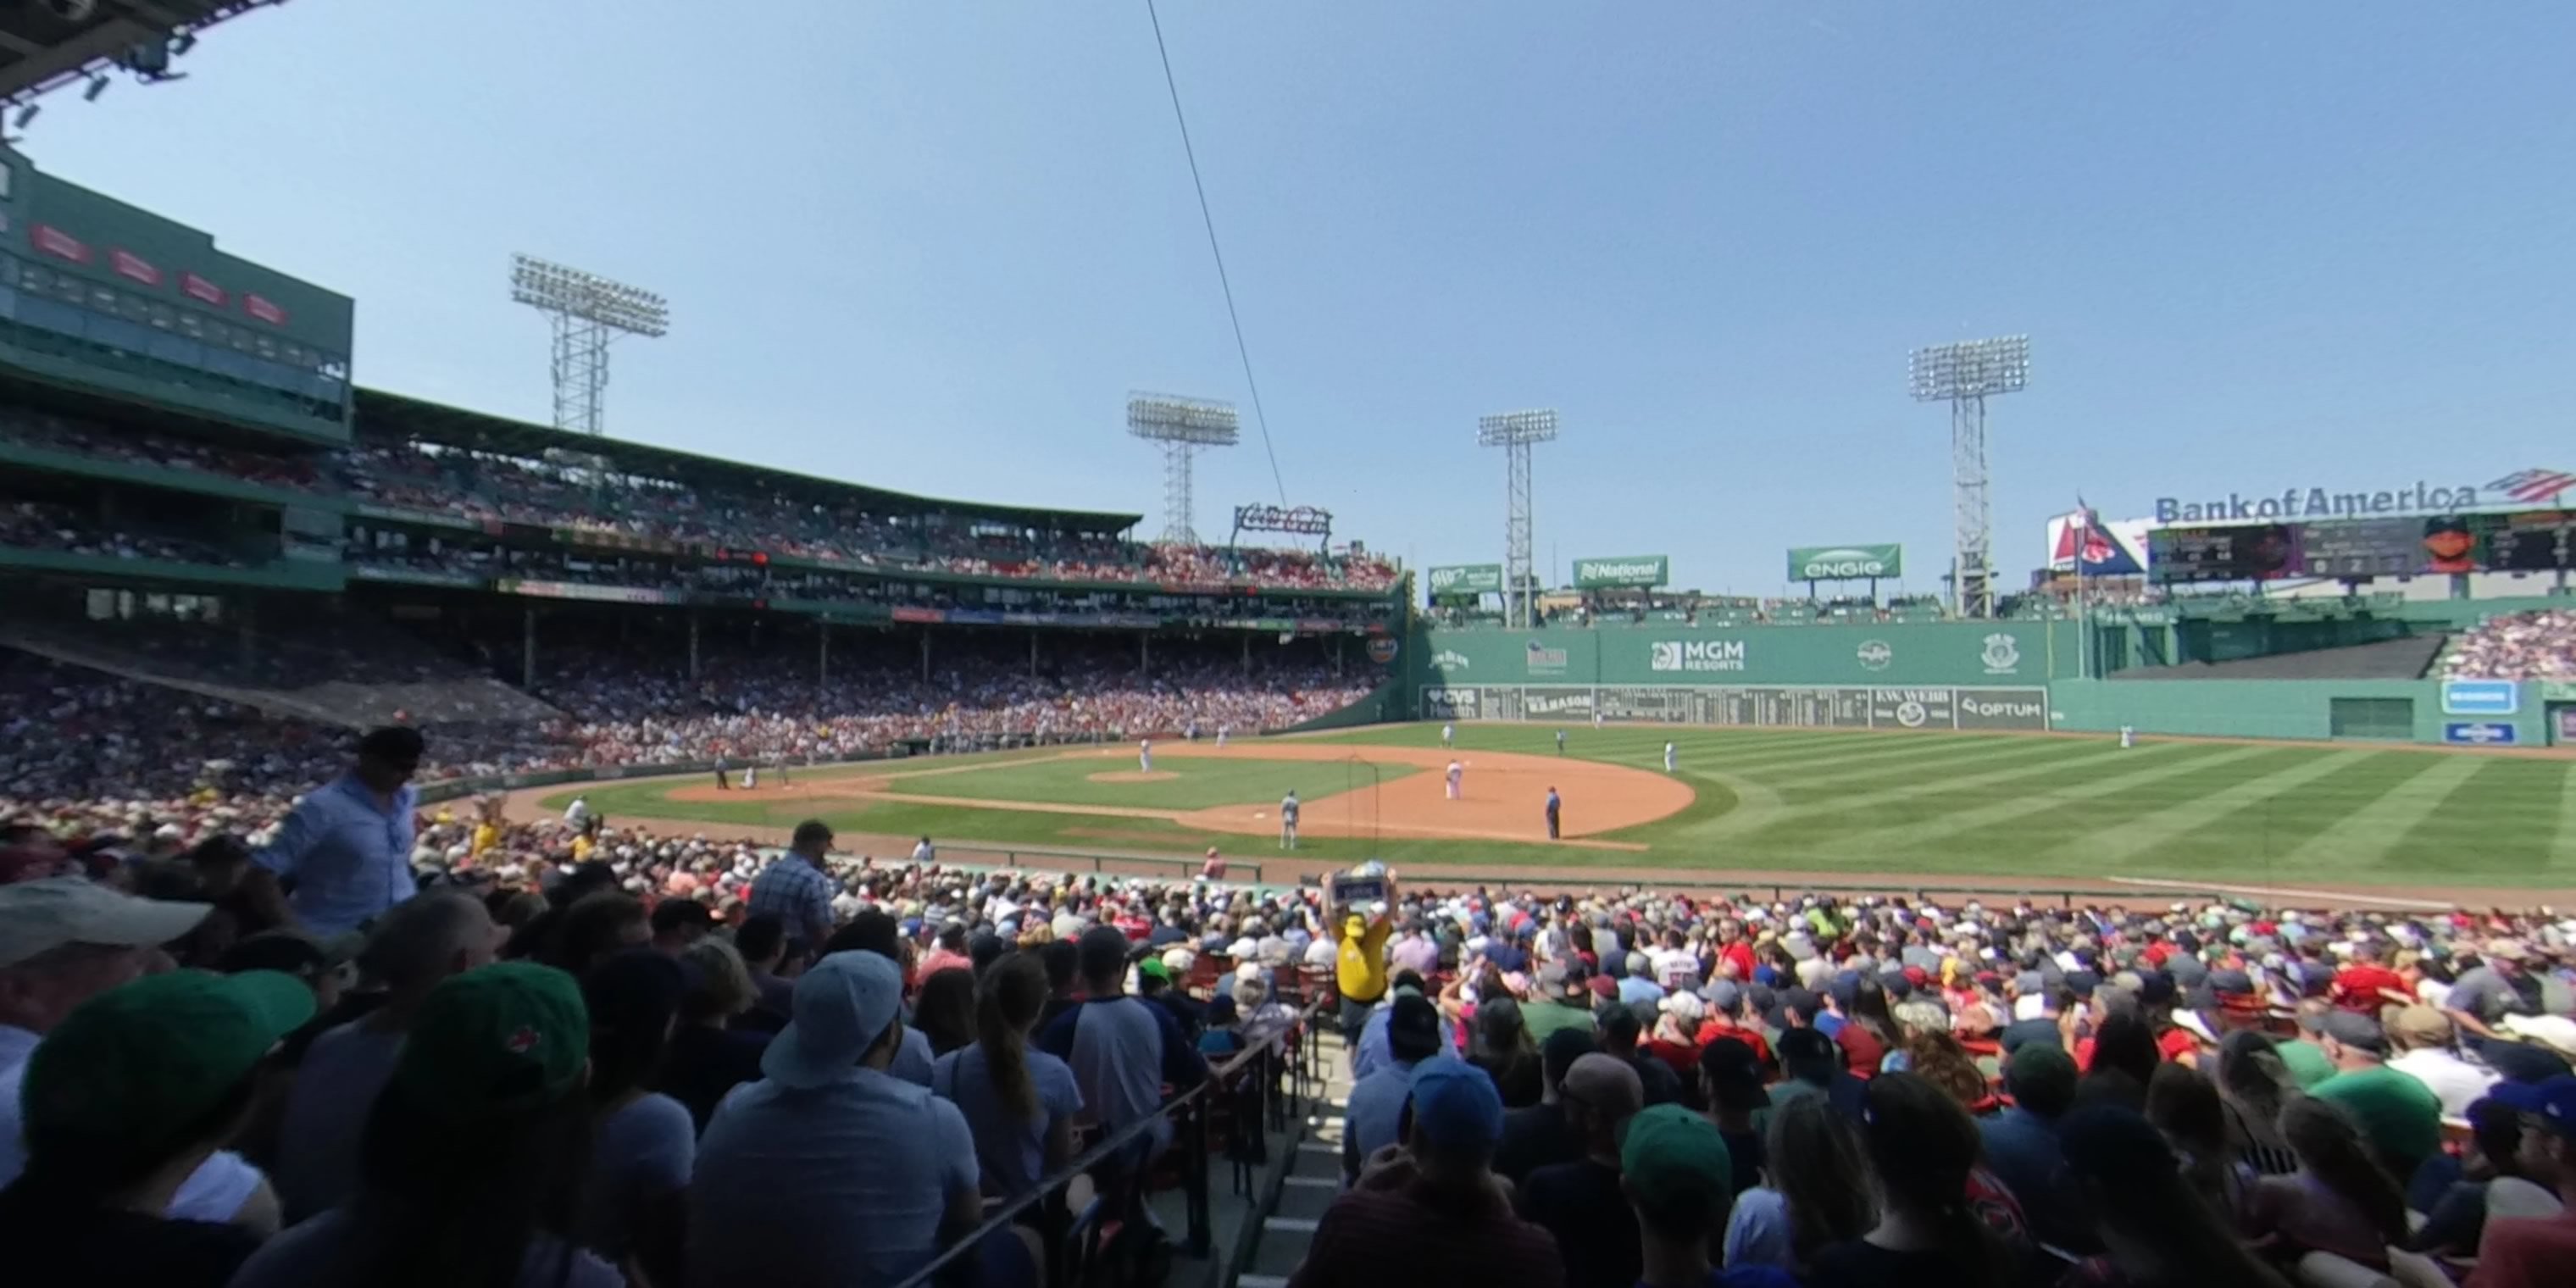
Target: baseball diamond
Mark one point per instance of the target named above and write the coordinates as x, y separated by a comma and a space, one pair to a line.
1809, 800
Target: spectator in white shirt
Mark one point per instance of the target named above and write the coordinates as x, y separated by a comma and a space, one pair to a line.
2423, 1038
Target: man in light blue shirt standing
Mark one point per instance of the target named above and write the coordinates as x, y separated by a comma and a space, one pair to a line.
1374, 1111
346, 847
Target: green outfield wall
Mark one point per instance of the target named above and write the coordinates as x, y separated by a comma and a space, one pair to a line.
2544, 715
1993, 654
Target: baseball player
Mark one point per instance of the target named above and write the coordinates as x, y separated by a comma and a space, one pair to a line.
2128, 736
1596, 719
1560, 742
1145, 756
1455, 774
1553, 806
1221, 732
1288, 820
1448, 736
1668, 758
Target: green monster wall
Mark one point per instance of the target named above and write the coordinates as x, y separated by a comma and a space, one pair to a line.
2005, 654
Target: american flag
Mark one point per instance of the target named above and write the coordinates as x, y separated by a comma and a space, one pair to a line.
2533, 485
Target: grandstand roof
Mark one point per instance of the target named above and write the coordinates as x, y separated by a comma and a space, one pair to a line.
383, 415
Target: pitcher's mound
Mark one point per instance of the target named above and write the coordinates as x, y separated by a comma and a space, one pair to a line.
1131, 776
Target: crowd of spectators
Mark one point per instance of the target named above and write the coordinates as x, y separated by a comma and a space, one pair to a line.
68, 529
2516, 646
132, 446
458, 1049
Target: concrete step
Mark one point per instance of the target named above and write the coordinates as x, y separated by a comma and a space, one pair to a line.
1284, 1241
1308, 1196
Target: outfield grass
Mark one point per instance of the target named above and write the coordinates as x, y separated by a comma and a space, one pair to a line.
1847, 802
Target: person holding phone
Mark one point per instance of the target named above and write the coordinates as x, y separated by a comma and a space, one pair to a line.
1359, 967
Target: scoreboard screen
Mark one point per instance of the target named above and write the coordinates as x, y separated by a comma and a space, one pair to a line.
2246, 552
2356, 549
2531, 541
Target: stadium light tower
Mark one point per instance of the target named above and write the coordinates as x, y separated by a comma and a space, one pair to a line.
1964, 374
1182, 426
588, 311
1514, 432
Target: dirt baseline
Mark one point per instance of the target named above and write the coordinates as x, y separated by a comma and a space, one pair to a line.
1502, 795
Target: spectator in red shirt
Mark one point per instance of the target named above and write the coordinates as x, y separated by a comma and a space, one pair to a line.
947, 953
1430, 1210
1726, 1020
1868, 1032
2366, 985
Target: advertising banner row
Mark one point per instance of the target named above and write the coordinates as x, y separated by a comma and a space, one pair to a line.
1943, 707
1921, 653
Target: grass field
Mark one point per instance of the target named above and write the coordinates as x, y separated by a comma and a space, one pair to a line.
1845, 802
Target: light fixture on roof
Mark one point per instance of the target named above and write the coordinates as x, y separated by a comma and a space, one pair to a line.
97, 86
27, 113
587, 311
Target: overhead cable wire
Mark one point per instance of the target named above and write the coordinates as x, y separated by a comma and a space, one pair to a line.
1260, 418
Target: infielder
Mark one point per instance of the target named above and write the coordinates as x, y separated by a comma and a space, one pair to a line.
1455, 773
1448, 736
1668, 758
1221, 732
1560, 742
1288, 820
1145, 756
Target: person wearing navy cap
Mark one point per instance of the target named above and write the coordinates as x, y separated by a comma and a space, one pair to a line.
2534, 1252
1434, 1211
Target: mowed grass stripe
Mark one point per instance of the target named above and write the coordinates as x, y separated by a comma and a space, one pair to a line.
2186, 758
2362, 836
1823, 783
2504, 816
2048, 836
2562, 847
1848, 806
2123, 843
1864, 751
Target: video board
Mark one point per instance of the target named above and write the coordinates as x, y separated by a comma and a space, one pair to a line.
2355, 549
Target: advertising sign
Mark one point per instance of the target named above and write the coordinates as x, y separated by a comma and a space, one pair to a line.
1465, 579
2480, 698
2479, 733
1845, 563
1820, 707
2522, 487
1639, 572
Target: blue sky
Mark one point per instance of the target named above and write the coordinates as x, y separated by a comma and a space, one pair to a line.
932, 245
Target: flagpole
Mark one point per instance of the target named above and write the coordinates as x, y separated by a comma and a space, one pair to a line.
2083, 609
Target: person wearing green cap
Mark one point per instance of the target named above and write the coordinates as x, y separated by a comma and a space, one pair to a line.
473, 1156
126, 1098
1680, 1181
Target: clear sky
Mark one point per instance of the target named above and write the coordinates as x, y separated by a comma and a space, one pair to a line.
930, 246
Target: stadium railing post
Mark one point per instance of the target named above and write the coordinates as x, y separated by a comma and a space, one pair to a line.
1195, 1175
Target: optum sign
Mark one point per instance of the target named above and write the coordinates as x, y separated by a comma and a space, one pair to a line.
1839, 563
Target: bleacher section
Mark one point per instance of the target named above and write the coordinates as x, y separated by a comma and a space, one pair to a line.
2408, 658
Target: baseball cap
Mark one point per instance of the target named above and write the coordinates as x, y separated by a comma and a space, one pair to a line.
1560, 1049
2357, 1031
1675, 1160
2552, 1101
1604, 1084
1725, 995
1735, 1073
2556, 1032
494, 1040
2422, 1026
131, 1069
43, 915
842, 1007
1455, 1105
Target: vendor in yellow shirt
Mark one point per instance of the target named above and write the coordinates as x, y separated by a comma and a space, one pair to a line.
1359, 967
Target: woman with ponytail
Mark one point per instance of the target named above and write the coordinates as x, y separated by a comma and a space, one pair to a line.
1922, 1148
1019, 1101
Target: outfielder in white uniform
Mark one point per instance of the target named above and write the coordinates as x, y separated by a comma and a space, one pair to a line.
1668, 758
1596, 719
1221, 731
1455, 773
1288, 821
1448, 735
1145, 756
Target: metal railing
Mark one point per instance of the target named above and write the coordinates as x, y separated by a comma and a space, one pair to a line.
1289, 1052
